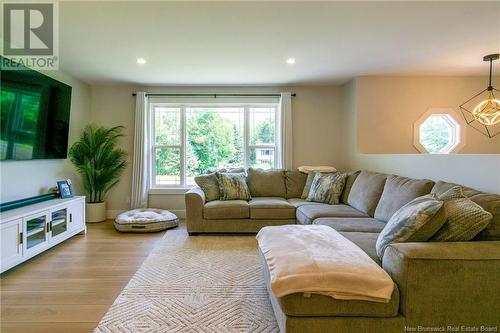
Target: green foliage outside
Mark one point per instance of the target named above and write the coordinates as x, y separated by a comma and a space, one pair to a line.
98, 160
434, 134
213, 141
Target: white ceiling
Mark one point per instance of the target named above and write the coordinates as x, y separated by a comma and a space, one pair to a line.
247, 43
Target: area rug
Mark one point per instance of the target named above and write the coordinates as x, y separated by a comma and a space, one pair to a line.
195, 284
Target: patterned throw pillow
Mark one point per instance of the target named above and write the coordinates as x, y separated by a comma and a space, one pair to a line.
233, 186
327, 188
416, 221
465, 218
309, 180
210, 186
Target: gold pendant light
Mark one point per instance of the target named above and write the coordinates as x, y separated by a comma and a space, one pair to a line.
485, 116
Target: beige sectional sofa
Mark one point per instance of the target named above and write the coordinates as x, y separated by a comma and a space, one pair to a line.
437, 284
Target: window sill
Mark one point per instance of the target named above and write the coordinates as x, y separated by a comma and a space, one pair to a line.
174, 190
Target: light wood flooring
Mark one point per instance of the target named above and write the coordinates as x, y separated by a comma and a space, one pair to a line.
69, 287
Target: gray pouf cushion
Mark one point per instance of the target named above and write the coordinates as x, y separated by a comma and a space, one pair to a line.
146, 220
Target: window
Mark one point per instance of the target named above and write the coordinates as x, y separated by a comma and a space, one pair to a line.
438, 131
191, 139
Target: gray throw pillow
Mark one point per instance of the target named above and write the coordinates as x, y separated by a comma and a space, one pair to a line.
327, 188
465, 218
233, 186
416, 221
210, 186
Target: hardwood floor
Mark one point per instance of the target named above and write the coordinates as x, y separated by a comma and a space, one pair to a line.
69, 287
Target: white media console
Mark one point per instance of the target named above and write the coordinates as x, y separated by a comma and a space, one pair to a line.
30, 230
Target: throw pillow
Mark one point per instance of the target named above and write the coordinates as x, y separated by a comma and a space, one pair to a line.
233, 186
327, 188
210, 186
309, 180
416, 221
465, 218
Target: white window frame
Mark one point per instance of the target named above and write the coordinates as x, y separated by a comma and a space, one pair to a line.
457, 137
157, 188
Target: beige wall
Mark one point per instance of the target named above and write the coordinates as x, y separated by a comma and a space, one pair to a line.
22, 179
325, 124
393, 104
317, 122
475, 170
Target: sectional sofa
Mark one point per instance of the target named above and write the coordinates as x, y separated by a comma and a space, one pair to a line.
444, 286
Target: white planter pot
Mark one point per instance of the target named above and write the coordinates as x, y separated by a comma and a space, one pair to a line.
95, 212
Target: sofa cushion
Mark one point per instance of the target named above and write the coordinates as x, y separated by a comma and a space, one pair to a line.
417, 221
317, 305
398, 191
226, 209
490, 203
266, 208
351, 177
327, 188
366, 191
352, 224
294, 183
297, 202
306, 214
464, 218
366, 241
266, 183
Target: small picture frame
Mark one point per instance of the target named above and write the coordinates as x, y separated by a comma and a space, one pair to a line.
65, 188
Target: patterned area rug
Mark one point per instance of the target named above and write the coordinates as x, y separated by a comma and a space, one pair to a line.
195, 284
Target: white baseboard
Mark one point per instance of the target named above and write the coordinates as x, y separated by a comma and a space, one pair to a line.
113, 213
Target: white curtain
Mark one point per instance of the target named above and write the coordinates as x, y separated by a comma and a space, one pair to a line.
285, 137
141, 160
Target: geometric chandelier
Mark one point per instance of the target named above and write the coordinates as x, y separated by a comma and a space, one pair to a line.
482, 111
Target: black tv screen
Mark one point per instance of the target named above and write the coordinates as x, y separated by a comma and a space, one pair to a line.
35, 112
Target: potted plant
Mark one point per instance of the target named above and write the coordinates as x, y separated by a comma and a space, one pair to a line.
100, 163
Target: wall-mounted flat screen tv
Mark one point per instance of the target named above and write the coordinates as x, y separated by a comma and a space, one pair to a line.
34, 121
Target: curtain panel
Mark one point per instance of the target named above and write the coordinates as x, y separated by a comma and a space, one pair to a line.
285, 135
141, 159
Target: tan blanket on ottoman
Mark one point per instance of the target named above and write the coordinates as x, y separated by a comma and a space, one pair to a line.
317, 259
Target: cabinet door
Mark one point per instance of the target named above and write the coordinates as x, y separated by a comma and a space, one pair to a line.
58, 224
36, 233
76, 215
11, 243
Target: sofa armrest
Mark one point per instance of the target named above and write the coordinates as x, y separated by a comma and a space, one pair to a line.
444, 284
195, 201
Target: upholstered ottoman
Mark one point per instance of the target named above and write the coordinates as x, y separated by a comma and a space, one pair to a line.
146, 220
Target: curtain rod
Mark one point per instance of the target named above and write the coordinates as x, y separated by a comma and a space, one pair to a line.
215, 95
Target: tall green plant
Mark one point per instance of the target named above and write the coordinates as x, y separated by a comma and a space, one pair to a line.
98, 160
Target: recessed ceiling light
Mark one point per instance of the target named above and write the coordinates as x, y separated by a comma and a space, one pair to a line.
141, 61
290, 61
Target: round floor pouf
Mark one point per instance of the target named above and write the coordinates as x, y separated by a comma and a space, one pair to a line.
146, 220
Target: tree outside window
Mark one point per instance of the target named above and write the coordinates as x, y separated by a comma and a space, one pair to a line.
214, 138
